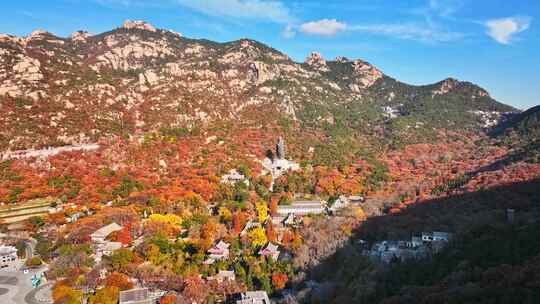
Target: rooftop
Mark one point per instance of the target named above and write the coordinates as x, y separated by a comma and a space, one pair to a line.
134, 295
104, 231
7, 250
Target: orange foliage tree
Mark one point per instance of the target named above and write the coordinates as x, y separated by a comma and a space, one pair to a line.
279, 280
119, 280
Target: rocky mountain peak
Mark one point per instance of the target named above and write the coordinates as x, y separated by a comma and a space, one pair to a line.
138, 24
367, 74
316, 61
37, 34
7, 38
446, 86
341, 59
80, 35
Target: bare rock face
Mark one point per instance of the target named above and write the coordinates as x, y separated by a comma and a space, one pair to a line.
148, 77
37, 34
452, 84
15, 80
316, 61
152, 76
141, 25
354, 87
260, 72
366, 74
80, 36
132, 55
446, 86
27, 68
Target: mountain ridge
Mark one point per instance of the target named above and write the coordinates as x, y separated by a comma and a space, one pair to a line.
137, 78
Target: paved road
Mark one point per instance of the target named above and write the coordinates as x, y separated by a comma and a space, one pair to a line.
30, 247
30, 297
9, 286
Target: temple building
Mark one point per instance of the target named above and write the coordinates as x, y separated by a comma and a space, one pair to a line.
278, 165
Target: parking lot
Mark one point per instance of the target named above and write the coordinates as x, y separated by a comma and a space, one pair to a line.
16, 288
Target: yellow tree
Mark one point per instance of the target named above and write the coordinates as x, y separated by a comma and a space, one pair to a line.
225, 214
257, 236
106, 295
170, 219
262, 211
359, 213
65, 294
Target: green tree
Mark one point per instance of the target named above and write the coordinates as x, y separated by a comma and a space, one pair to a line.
121, 258
36, 221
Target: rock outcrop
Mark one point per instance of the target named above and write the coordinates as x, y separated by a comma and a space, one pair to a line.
446, 86
80, 36
317, 62
366, 74
141, 25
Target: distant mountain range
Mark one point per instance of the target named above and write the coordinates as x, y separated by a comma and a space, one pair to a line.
136, 79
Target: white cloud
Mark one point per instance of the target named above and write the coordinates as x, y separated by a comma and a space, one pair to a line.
324, 27
266, 10
504, 29
409, 32
288, 32
444, 8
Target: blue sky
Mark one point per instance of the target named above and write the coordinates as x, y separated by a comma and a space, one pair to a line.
494, 43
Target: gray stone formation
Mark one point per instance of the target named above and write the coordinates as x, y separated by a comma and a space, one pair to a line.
280, 148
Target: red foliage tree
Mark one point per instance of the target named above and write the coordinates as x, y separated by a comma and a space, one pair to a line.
238, 222
270, 232
168, 299
124, 236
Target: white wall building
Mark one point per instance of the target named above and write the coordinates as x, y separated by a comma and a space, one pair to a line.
301, 208
99, 235
254, 297
8, 257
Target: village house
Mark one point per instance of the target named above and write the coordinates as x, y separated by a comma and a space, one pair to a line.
341, 202
301, 208
220, 251
73, 217
292, 220
416, 248
223, 275
270, 250
109, 247
234, 177
435, 236
289, 220
8, 257
98, 237
355, 199
101, 245
136, 296
253, 297
415, 241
